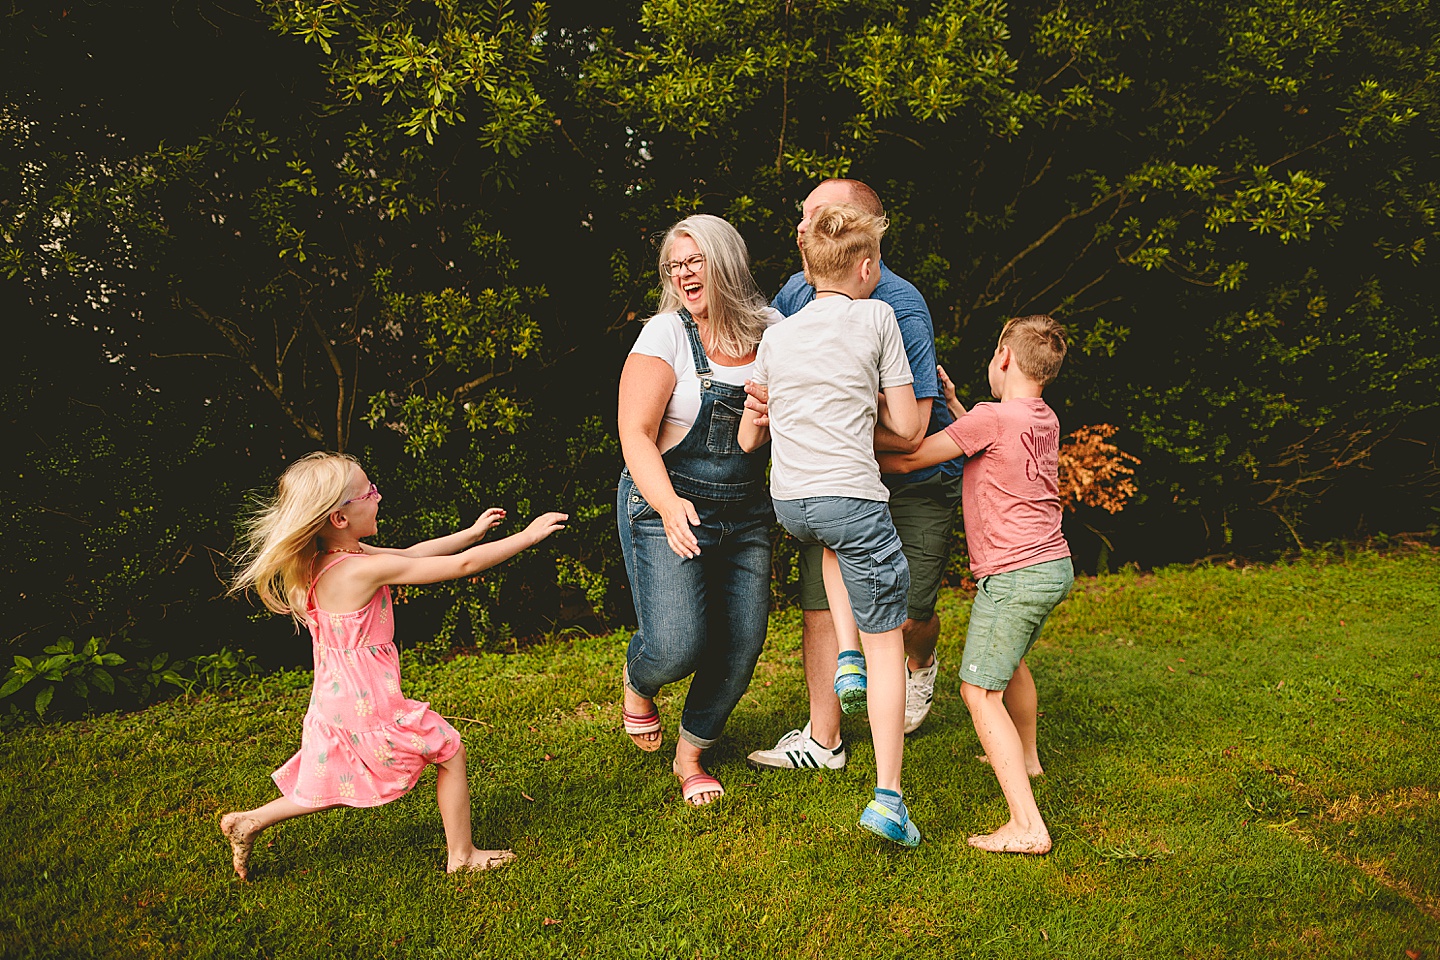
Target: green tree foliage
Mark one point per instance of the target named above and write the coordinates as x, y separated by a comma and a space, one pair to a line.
425, 232
1162, 177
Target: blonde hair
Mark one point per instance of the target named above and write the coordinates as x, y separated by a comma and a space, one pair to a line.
1038, 344
737, 307
839, 237
281, 539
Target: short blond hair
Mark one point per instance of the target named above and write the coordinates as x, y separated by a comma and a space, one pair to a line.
1038, 345
839, 237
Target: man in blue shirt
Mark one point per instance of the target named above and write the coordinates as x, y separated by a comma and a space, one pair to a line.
922, 504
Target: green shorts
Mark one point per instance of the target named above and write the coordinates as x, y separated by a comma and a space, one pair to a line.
924, 515
1005, 620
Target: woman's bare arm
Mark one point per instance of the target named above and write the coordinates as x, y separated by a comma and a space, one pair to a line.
646, 384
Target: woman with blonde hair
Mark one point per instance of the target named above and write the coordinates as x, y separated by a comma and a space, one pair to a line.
693, 508
362, 742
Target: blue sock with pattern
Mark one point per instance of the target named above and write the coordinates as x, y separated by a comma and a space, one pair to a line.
851, 656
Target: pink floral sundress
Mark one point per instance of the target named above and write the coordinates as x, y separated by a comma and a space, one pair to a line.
362, 744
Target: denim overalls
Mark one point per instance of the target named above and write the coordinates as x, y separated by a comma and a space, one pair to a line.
706, 615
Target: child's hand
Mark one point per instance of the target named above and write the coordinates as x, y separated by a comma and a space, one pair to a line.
757, 398
947, 386
485, 521
546, 524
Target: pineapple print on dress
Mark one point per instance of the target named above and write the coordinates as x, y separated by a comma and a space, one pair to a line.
359, 722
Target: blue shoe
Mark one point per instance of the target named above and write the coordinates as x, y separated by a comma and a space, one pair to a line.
850, 685
884, 822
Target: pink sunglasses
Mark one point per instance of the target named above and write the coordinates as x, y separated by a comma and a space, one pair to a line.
374, 491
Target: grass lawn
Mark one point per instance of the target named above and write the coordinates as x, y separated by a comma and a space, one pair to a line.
1241, 763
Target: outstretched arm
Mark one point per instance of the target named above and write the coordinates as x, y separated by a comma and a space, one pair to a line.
444, 546
934, 450
361, 578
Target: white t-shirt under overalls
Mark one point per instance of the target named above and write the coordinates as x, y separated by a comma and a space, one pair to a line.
664, 336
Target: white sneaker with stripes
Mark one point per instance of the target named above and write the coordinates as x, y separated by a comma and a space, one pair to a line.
919, 693
796, 751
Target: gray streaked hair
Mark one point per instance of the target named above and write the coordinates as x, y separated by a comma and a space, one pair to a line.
737, 307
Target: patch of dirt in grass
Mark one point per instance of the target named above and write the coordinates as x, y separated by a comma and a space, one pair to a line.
1355, 807
1317, 937
768, 667
1086, 883
905, 920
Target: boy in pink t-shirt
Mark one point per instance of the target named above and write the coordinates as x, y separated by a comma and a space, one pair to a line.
1018, 556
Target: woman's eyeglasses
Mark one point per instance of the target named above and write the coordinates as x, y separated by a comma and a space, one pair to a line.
694, 263
374, 491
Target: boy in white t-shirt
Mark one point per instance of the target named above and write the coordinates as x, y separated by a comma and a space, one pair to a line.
826, 369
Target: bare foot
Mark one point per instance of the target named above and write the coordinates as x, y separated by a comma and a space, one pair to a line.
480, 860
1011, 839
637, 705
691, 768
241, 831
1032, 767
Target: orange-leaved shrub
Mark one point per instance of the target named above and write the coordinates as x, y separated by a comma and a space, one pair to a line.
1094, 472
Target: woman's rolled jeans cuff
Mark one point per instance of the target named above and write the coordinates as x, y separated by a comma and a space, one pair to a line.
699, 742
872, 564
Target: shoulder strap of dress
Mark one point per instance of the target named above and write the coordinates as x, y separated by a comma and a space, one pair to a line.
310, 594
697, 349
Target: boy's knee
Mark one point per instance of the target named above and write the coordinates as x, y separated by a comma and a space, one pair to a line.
974, 695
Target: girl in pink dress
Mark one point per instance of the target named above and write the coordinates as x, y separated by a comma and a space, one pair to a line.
362, 743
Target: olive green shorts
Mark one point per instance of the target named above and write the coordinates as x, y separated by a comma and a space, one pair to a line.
924, 515
1005, 620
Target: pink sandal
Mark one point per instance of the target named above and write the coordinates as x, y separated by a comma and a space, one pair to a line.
641, 724
696, 784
